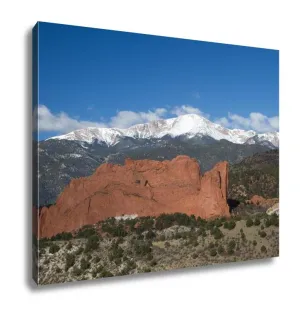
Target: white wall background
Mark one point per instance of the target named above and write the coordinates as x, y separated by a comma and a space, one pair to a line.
252, 289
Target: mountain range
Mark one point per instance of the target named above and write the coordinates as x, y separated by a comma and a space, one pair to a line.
189, 125
79, 153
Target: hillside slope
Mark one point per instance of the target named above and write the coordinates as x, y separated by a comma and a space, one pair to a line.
257, 174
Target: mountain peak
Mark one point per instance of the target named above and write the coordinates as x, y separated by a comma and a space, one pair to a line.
189, 125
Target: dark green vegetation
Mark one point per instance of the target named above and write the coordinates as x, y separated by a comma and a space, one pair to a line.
255, 175
62, 160
127, 246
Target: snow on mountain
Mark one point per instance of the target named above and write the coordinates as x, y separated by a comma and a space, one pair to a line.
189, 125
270, 137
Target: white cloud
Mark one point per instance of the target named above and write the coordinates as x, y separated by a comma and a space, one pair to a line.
63, 123
274, 122
125, 119
187, 109
255, 121
60, 122
222, 121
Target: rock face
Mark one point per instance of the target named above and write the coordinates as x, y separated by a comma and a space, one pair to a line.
141, 187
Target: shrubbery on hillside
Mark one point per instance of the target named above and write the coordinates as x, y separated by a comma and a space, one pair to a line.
257, 174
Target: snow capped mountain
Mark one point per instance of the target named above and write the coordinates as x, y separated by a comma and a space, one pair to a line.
189, 125
264, 139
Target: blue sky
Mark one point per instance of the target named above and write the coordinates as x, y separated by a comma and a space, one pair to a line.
93, 77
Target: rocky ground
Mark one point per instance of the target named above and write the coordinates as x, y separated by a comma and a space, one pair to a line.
130, 246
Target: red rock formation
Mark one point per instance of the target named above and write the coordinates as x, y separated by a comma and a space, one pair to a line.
142, 187
261, 201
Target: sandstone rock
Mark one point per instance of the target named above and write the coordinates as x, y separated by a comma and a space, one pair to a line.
140, 187
261, 201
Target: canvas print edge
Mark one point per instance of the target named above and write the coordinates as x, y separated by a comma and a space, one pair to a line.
36, 229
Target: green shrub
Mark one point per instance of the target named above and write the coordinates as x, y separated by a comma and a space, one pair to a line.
230, 251
231, 244
263, 249
211, 245
64, 236
201, 222
146, 223
231, 225
69, 246
118, 261
268, 223
120, 231
153, 263
84, 264
58, 270
254, 243
43, 243
218, 234
274, 220
142, 248
262, 227
164, 221
86, 231
54, 248
150, 235
213, 252
256, 222
221, 249
70, 261
97, 259
131, 264
106, 273
94, 274
99, 269
262, 234
218, 222
79, 250
92, 243
249, 222
116, 252
115, 230
77, 271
